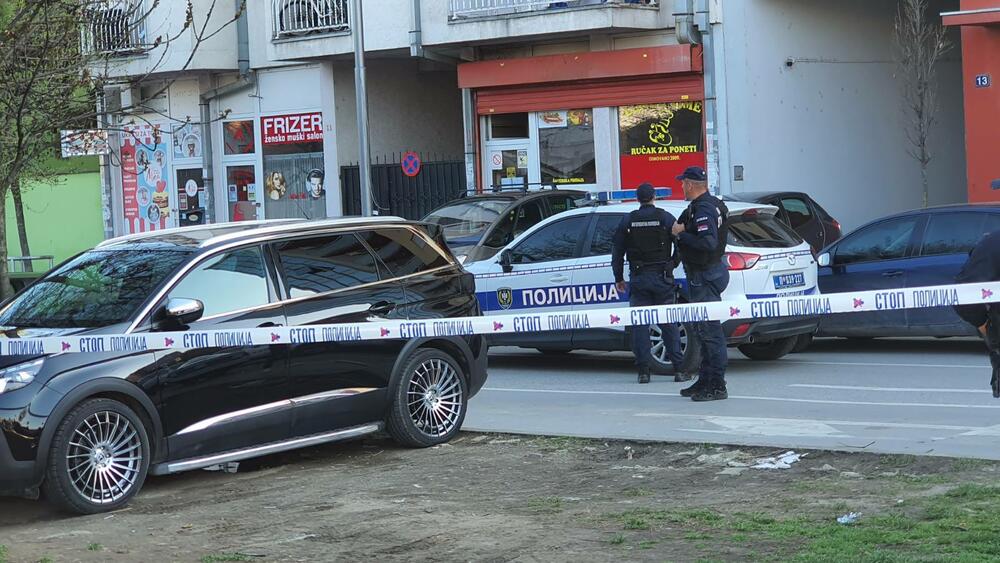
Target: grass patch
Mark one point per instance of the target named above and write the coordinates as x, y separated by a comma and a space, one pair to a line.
968, 464
95, 547
896, 460
3, 553
617, 539
220, 557
635, 493
648, 544
634, 522
45, 560
546, 505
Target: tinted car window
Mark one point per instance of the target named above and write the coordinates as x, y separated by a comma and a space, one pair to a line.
761, 230
883, 241
403, 251
518, 220
604, 232
96, 289
468, 218
560, 203
328, 263
229, 282
797, 210
992, 223
952, 233
557, 241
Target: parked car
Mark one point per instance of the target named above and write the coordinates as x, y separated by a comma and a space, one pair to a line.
916, 248
87, 428
801, 213
478, 226
564, 264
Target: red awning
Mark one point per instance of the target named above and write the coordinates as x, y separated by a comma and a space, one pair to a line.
985, 16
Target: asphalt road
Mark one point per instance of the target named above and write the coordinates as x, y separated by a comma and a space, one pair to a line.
923, 397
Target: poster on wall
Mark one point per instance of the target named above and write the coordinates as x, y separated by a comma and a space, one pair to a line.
145, 179
187, 141
294, 175
659, 141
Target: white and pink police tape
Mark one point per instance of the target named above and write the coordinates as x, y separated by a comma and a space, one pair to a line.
791, 306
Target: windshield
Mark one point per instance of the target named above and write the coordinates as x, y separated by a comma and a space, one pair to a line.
96, 289
761, 230
467, 218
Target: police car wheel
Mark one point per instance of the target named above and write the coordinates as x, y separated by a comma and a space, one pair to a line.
802, 343
690, 350
769, 350
430, 401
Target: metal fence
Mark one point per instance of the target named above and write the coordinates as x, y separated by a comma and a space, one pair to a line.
484, 8
116, 27
293, 18
440, 180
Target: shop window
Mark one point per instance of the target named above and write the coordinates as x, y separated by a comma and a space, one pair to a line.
509, 126
566, 147
294, 177
242, 193
659, 141
238, 137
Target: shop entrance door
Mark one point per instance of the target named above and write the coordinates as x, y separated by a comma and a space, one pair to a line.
507, 165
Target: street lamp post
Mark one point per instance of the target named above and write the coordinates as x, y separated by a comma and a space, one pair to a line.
364, 162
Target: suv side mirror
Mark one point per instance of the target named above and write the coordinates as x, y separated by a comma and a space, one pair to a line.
182, 310
823, 260
506, 260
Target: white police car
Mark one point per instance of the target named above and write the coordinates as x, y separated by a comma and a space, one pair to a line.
564, 264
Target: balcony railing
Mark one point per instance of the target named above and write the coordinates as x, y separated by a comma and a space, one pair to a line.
296, 18
115, 27
460, 9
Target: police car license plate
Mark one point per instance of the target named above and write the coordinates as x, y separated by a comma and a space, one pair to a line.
785, 281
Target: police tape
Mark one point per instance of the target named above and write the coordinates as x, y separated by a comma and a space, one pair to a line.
610, 317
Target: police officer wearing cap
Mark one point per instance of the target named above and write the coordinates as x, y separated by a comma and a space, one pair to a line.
644, 236
701, 233
983, 265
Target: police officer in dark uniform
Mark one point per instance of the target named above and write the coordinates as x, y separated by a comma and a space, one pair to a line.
983, 265
701, 233
644, 235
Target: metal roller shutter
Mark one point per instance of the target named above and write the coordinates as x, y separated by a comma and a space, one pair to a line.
589, 95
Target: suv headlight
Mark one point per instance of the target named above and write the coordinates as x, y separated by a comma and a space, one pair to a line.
19, 375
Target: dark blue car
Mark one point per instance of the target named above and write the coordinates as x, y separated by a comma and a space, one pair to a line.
912, 249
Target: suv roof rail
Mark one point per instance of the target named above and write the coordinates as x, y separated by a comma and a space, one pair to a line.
519, 188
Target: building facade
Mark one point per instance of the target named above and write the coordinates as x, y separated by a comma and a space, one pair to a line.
598, 94
979, 21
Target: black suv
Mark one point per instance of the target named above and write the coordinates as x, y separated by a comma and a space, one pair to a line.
479, 225
86, 428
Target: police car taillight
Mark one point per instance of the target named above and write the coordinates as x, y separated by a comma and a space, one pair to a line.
749, 213
741, 260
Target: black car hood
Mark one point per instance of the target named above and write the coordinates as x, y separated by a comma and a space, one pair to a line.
17, 332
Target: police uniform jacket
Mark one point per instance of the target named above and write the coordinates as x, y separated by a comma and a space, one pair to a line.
983, 265
653, 225
703, 241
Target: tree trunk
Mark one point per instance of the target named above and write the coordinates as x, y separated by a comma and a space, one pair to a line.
6, 290
22, 232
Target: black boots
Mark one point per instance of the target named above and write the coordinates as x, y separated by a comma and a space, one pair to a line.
643, 375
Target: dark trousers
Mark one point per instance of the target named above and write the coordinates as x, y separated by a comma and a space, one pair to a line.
708, 285
993, 346
653, 287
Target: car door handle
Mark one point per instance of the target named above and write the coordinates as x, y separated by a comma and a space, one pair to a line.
559, 279
382, 307
892, 274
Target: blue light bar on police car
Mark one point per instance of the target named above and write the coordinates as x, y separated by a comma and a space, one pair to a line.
627, 195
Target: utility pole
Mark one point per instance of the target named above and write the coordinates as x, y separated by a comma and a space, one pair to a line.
364, 162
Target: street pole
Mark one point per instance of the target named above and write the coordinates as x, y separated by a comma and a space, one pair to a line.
364, 162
